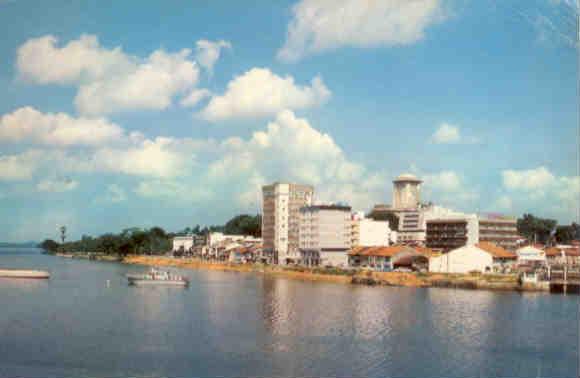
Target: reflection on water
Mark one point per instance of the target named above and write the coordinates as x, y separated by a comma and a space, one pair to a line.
240, 324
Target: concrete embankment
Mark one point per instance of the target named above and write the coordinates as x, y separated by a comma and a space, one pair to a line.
21, 273
458, 281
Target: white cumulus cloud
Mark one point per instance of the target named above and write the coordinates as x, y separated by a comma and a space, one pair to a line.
108, 80
259, 92
19, 166
539, 189
450, 188
28, 125
195, 97
446, 133
291, 149
320, 25
528, 180
208, 52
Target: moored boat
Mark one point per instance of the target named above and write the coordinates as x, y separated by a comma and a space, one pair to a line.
23, 273
157, 277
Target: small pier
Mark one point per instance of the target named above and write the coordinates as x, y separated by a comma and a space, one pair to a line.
564, 279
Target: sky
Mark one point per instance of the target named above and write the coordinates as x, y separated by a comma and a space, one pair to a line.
172, 114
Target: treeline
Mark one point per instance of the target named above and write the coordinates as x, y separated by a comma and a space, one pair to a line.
149, 241
543, 230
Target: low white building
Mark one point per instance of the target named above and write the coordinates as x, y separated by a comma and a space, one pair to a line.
215, 238
482, 257
185, 242
324, 235
531, 255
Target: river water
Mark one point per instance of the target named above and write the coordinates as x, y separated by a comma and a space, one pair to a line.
240, 324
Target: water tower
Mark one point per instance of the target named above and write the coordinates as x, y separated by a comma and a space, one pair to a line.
406, 192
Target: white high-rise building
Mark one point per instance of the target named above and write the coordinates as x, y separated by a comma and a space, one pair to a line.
281, 203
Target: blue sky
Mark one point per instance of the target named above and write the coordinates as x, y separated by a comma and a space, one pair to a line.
174, 113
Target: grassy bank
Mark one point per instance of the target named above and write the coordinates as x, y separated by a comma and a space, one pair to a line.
462, 281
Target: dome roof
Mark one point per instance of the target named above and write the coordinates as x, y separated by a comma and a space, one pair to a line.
407, 177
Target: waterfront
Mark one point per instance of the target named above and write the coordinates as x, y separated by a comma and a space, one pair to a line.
242, 324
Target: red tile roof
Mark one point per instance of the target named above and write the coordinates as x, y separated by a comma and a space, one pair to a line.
495, 250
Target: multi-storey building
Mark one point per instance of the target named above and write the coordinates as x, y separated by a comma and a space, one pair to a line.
325, 235
281, 203
500, 230
454, 232
369, 232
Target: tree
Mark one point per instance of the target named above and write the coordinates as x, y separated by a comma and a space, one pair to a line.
566, 234
244, 225
49, 246
138, 239
534, 228
62, 233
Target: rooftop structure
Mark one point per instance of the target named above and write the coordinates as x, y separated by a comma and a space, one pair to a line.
406, 192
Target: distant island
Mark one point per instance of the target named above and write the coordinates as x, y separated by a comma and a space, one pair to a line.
29, 244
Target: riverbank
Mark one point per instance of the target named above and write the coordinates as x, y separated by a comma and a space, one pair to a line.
90, 256
461, 281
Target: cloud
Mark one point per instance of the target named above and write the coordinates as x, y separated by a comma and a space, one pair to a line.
195, 97
19, 166
108, 80
173, 191
291, 149
39, 60
150, 85
528, 180
161, 157
208, 52
57, 185
446, 134
450, 134
450, 188
28, 125
540, 189
259, 92
184, 170
321, 25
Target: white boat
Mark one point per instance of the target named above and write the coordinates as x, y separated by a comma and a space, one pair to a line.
157, 277
21, 273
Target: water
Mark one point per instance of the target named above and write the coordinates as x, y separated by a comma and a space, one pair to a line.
240, 324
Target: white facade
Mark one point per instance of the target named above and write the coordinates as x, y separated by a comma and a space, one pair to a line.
462, 260
369, 232
182, 241
280, 218
530, 254
215, 238
325, 235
